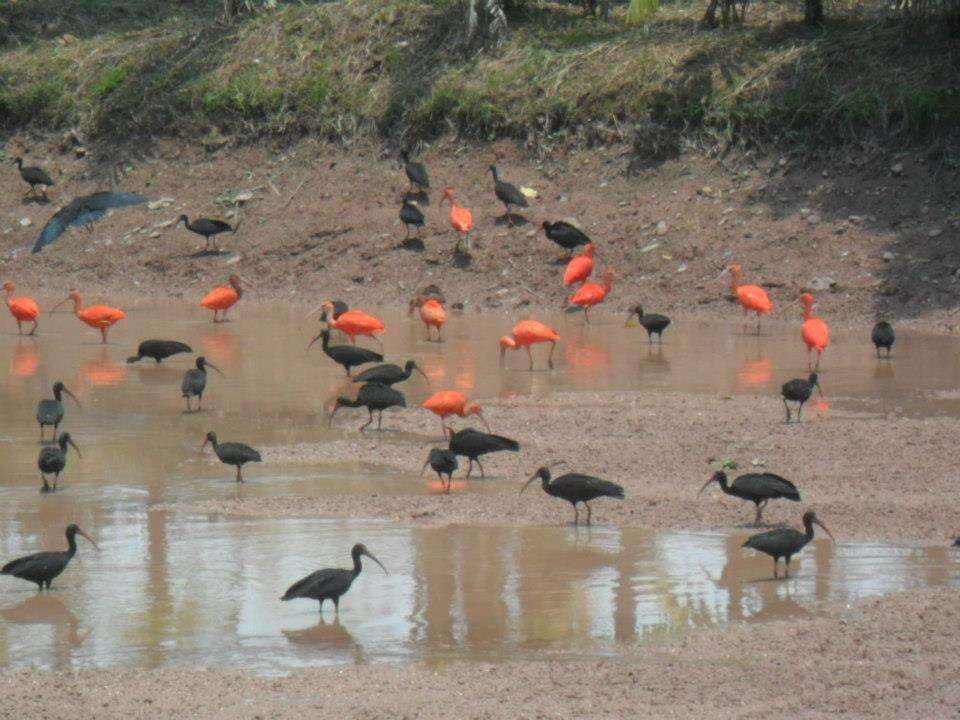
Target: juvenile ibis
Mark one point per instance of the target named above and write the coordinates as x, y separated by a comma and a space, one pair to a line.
52, 460
33, 176
348, 356
432, 313
208, 228
23, 308
221, 299
799, 391
330, 583
443, 462
786, 542
576, 488
50, 411
461, 219
580, 267
388, 374
758, 488
195, 382
590, 294
446, 403
653, 324
565, 235
471, 444
83, 212
412, 217
752, 298
882, 336
508, 194
102, 317
372, 396
232, 453
527, 333
42, 567
814, 331
159, 350
416, 172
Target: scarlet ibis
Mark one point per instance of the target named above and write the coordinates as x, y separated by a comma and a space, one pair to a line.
471, 444
33, 176
416, 172
576, 488
580, 267
52, 460
508, 194
527, 333
221, 299
83, 212
352, 322
653, 324
883, 336
102, 317
451, 402
346, 355
24, 309
339, 307
42, 567
814, 331
208, 228
758, 488
388, 374
565, 235
372, 396
443, 462
195, 382
752, 298
412, 217
432, 313
799, 391
590, 294
786, 542
232, 453
330, 583
50, 412
159, 350
461, 220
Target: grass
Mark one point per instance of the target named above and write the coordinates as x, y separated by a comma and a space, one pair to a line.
393, 69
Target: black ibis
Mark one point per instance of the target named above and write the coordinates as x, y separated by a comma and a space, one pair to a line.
471, 444
33, 176
412, 216
653, 324
565, 235
50, 411
348, 356
443, 462
42, 567
389, 374
576, 488
883, 336
508, 194
786, 542
52, 460
208, 227
799, 391
159, 350
416, 172
195, 382
372, 396
330, 583
232, 453
758, 488
83, 212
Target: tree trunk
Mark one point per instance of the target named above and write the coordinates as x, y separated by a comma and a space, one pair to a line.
813, 12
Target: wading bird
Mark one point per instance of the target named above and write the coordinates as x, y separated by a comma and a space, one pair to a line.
50, 411
527, 333
786, 542
752, 298
388, 374
24, 309
349, 356
339, 308
412, 217
432, 313
580, 267
758, 488
508, 194
221, 299
799, 391
445, 403
590, 294
882, 336
83, 211
33, 176
461, 220
101, 317
232, 453
330, 583
565, 235
443, 462
372, 396
471, 444
416, 172
52, 460
208, 228
195, 382
815, 333
42, 567
653, 324
159, 350
575, 488
352, 322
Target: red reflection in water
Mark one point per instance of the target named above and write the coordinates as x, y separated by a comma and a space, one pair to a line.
435, 486
821, 405
585, 359
24, 361
221, 347
435, 369
101, 372
754, 373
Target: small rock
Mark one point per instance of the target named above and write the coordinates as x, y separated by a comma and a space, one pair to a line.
813, 218
819, 284
896, 169
163, 202
804, 212
935, 232
243, 196
661, 228
154, 234
682, 268
889, 256
80, 152
163, 224
26, 222
706, 191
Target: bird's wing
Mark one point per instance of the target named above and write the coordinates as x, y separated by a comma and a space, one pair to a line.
597, 485
313, 584
767, 485
83, 210
32, 565
505, 443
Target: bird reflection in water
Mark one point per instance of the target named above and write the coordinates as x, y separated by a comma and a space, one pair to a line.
326, 636
24, 361
588, 360
101, 372
47, 610
221, 346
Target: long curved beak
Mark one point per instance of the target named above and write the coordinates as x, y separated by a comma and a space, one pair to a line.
211, 365
74, 446
73, 396
503, 352
205, 441
314, 340
819, 389
816, 521
424, 468
54, 308
705, 486
723, 272
417, 368
332, 413
89, 539
527, 483
370, 555
479, 414
629, 322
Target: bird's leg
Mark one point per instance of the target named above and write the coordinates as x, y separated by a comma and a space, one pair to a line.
576, 515
799, 410
56, 479
786, 566
103, 334
379, 420
589, 512
586, 315
775, 561
20, 332
509, 216
239, 476
553, 346
33, 330
809, 363
529, 355
756, 519
379, 342
336, 606
758, 324
446, 483
817, 366
888, 351
46, 486
787, 408
480, 465
369, 420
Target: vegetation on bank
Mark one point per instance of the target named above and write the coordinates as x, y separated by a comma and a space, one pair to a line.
396, 69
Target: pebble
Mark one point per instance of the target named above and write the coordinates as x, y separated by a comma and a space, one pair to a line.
661, 228
26, 222
935, 232
820, 284
813, 218
897, 168
161, 203
888, 256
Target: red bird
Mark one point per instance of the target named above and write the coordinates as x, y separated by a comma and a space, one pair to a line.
431, 312
353, 323
450, 402
580, 268
460, 218
591, 294
96, 316
752, 298
24, 309
222, 299
527, 333
815, 333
